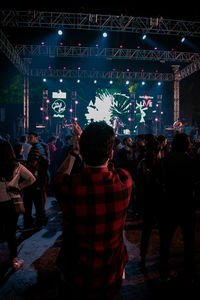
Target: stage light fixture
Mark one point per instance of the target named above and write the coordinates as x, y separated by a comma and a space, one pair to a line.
182, 39
44, 80
78, 81
127, 82
143, 82
61, 80
60, 32
159, 83
105, 34
144, 36
111, 82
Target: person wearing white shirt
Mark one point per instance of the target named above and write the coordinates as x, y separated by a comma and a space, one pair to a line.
11, 185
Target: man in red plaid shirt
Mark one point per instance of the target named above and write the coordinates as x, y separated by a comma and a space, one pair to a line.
94, 203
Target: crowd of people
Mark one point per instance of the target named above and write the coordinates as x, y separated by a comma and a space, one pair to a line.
97, 179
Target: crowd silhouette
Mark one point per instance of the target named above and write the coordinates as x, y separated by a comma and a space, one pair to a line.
157, 179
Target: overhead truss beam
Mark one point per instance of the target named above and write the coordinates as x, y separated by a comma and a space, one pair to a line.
89, 74
86, 21
114, 53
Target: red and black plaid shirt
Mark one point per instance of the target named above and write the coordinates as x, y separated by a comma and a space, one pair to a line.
94, 205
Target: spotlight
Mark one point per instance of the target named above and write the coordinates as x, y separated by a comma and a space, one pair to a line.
111, 82
105, 34
182, 39
61, 80
159, 83
95, 81
44, 80
143, 83
144, 36
127, 82
60, 32
78, 81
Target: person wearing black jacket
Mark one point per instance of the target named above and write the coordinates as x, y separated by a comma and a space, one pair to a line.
179, 173
37, 163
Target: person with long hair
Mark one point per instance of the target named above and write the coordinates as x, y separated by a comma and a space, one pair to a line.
11, 171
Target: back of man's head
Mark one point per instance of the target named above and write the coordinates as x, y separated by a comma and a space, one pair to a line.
96, 143
180, 142
23, 139
33, 133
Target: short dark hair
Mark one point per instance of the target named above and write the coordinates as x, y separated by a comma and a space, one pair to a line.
33, 133
52, 138
23, 139
125, 139
96, 143
8, 161
180, 142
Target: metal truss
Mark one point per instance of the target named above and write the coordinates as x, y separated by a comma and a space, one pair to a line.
115, 53
190, 69
89, 74
15, 56
85, 21
7, 48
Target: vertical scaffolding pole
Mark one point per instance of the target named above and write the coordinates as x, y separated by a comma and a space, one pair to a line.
176, 92
26, 103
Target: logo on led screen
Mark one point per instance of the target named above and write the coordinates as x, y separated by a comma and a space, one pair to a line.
59, 108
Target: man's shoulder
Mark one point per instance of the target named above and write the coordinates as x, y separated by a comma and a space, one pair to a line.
123, 174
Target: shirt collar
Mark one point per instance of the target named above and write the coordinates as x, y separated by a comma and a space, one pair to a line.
95, 170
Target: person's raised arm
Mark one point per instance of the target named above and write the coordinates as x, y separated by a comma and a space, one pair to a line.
68, 163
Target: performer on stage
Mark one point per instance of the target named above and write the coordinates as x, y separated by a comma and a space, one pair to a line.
178, 125
117, 123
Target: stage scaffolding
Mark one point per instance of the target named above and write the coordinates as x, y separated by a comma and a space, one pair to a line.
21, 55
88, 21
